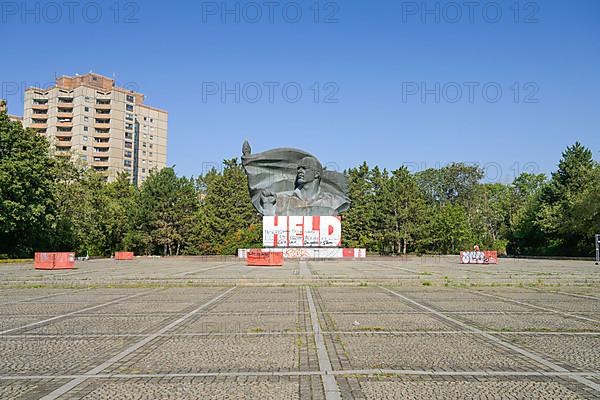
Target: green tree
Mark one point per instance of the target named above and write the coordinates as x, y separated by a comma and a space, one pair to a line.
226, 219
556, 216
449, 231
455, 183
358, 226
402, 209
27, 175
163, 215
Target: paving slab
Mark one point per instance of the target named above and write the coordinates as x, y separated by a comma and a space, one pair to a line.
459, 389
244, 323
99, 325
55, 355
533, 322
183, 354
23, 389
243, 388
573, 352
385, 323
440, 351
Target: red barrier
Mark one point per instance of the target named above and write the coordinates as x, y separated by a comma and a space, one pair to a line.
259, 258
124, 256
54, 261
479, 257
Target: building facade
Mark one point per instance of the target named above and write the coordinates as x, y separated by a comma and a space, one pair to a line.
108, 128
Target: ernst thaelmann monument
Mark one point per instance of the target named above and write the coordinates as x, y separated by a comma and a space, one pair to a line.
291, 182
300, 202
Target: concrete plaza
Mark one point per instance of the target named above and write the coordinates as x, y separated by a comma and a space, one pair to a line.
212, 328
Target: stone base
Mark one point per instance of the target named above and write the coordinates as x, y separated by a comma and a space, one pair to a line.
312, 252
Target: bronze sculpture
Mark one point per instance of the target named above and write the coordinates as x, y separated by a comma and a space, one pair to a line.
291, 182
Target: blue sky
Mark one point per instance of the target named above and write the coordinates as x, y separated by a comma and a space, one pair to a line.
370, 61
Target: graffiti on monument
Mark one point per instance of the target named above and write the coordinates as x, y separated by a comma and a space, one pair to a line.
301, 231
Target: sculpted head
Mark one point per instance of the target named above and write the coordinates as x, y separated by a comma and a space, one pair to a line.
309, 170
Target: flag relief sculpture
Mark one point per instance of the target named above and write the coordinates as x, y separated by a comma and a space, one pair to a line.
300, 201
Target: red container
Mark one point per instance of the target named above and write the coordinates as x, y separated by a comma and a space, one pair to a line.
259, 258
124, 256
54, 261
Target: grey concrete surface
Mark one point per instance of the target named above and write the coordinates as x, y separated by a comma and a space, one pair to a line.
189, 328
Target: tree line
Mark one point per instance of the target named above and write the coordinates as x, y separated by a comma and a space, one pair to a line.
51, 204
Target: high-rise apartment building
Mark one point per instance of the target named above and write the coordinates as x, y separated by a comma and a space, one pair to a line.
110, 128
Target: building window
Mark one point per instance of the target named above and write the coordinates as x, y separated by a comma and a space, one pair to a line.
84, 148
151, 145
143, 153
87, 99
128, 145
87, 109
129, 107
86, 119
130, 98
151, 137
127, 163
85, 128
128, 154
85, 138
143, 170
144, 144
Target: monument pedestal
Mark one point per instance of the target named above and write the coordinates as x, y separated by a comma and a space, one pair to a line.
297, 237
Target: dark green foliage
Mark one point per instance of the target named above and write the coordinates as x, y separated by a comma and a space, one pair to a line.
226, 219
47, 204
27, 178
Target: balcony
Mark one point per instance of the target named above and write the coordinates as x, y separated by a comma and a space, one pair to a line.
63, 151
63, 134
100, 164
99, 125
65, 114
64, 124
101, 106
41, 107
101, 145
36, 125
65, 108
65, 101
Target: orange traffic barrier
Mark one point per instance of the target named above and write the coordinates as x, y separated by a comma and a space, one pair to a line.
259, 258
124, 256
54, 261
